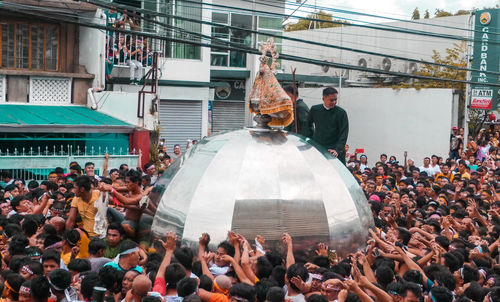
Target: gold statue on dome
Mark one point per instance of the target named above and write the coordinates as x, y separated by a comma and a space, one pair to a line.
267, 96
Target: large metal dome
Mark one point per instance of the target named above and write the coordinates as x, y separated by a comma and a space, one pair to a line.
262, 183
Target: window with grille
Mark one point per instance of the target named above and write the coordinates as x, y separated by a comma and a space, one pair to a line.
29, 46
231, 58
181, 29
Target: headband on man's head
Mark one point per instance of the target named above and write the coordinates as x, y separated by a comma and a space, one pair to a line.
25, 290
10, 287
27, 269
129, 251
224, 291
55, 245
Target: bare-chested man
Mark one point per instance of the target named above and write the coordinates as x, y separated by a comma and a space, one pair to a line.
130, 201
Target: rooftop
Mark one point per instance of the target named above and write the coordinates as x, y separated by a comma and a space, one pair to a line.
61, 119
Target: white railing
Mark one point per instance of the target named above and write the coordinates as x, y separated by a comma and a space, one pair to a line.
121, 48
36, 164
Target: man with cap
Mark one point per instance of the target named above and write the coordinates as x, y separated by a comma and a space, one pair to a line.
455, 142
331, 125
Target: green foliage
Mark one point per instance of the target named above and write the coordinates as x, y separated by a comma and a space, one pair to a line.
326, 22
462, 12
416, 14
455, 56
442, 13
427, 14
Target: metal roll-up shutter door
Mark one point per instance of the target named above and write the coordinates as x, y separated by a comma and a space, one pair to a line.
227, 115
180, 121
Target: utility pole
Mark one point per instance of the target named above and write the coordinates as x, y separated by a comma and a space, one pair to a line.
468, 78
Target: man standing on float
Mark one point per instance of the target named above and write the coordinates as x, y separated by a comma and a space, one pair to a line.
331, 125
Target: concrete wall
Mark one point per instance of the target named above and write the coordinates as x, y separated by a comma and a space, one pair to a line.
123, 105
383, 120
399, 44
92, 47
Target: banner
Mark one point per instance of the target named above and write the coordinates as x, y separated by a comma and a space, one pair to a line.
485, 58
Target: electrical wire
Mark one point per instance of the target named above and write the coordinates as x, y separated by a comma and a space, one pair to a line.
253, 51
386, 28
395, 29
123, 7
351, 12
295, 46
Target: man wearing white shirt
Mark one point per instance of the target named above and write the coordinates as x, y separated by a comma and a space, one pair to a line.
427, 167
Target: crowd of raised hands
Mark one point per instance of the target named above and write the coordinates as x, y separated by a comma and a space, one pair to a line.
398, 264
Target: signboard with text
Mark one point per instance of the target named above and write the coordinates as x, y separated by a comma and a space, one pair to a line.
485, 60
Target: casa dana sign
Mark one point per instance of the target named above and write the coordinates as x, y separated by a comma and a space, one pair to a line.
485, 60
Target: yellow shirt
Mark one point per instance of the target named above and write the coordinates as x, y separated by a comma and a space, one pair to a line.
83, 244
465, 175
66, 258
87, 212
449, 176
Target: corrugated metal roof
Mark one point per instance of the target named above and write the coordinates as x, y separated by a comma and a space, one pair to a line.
56, 118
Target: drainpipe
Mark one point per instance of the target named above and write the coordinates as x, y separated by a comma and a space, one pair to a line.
90, 94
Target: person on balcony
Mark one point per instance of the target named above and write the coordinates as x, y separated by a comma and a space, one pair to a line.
135, 55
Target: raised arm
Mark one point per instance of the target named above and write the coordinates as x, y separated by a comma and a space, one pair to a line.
245, 264
234, 240
238, 270
411, 264
364, 282
139, 161
105, 167
169, 246
290, 259
44, 201
133, 200
204, 256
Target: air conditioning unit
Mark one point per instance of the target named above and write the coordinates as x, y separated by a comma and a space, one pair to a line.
325, 67
363, 62
412, 67
386, 64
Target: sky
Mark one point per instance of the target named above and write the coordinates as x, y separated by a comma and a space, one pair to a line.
401, 9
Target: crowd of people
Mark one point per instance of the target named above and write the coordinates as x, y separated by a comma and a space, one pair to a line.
78, 237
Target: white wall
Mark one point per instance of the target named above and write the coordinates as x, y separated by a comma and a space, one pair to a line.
189, 70
92, 47
123, 106
383, 120
418, 47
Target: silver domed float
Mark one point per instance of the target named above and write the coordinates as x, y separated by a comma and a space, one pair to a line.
263, 181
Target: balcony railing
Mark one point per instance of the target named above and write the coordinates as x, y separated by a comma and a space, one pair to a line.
121, 48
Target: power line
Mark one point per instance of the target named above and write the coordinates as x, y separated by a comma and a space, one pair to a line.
149, 12
351, 12
387, 28
254, 51
394, 28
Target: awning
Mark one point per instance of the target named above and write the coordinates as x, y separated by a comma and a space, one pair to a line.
58, 119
